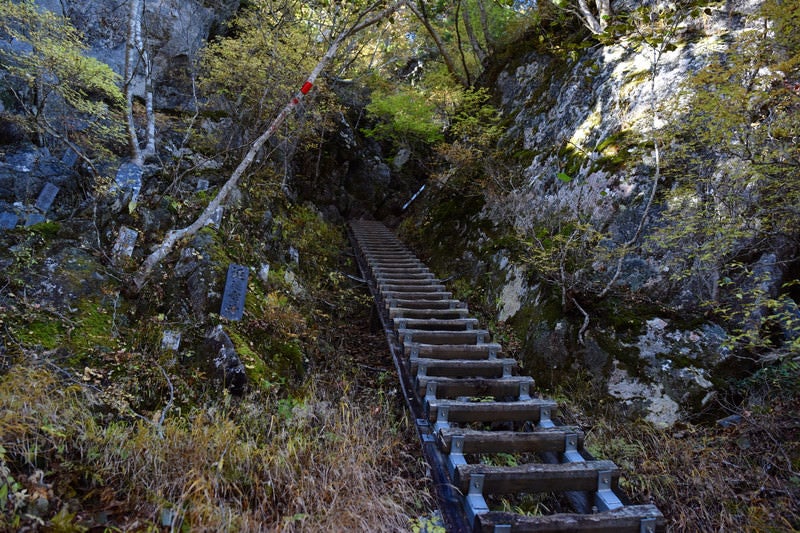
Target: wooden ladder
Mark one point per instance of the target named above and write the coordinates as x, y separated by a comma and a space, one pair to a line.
468, 399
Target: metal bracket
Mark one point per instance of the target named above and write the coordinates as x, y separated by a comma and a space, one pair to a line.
413, 351
456, 456
480, 338
507, 369
442, 413
648, 525
544, 418
430, 392
605, 499
524, 391
571, 453
493, 352
475, 503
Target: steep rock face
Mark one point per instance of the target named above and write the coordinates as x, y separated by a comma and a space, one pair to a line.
575, 118
176, 30
586, 124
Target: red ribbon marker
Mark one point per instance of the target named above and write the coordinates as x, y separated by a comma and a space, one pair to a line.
306, 87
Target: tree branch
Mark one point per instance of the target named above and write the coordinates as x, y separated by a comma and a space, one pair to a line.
173, 237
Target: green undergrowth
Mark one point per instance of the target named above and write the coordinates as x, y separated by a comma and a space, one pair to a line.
103, 428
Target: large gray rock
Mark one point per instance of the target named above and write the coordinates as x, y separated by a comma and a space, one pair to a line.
228, 367
175, 31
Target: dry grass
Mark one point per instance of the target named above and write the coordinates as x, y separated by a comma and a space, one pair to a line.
259, 464
704, 477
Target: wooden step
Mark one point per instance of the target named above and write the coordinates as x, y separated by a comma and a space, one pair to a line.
467, 368
412, 276
441, 295
400, 270
378, 266
475, 336
405, 312
424, 303
430, 287
628, 519
538, 477
436, 324
504, 387
380, 280
461, 411
451, 351
537, 441
392, 259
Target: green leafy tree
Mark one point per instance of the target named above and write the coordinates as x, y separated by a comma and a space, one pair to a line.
63, 93
274, 46
404, 115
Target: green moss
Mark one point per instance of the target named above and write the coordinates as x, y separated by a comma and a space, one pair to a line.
48, 229
256, 368
94, 327
41, 332
287, 357
572, 159
615, 151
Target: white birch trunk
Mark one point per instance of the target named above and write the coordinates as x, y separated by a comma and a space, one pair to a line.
136, 54
173, 237
131, 60
589, 19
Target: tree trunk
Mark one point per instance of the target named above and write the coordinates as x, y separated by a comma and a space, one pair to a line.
448, 61
173, 237
479, 52
136, 54
589, 18
464, 65
134, 21
487, 35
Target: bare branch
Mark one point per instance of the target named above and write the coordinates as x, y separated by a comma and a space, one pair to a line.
173, 237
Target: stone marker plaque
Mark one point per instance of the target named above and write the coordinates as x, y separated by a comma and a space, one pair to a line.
129, 178
216, 219
171, 340
69, 158
34, 218
263, 273
126, 240
235, 291
8, 220
46, 197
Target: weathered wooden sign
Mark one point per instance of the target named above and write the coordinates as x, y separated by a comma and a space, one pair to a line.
126, 240
129, 178
235, 291
34, 218
171, 340
69, 158
46, 197
8, 220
